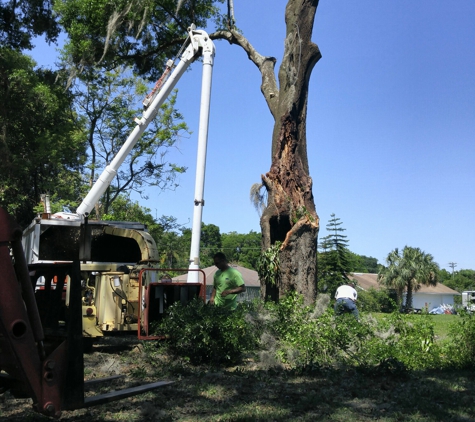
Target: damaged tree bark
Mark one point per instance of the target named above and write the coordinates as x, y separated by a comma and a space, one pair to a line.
290, 216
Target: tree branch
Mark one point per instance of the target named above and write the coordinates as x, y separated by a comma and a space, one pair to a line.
265, 65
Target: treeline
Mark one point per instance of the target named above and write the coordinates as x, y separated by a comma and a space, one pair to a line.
458, 280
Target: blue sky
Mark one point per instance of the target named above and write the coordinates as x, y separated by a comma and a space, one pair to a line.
391, 125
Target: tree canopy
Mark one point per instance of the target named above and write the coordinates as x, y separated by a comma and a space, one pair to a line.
22, 20
44, 125
40, 138
458, 280
138, 33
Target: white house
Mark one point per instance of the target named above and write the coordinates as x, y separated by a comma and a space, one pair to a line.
428, 297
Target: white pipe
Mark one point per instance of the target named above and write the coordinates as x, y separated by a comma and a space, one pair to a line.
208, 57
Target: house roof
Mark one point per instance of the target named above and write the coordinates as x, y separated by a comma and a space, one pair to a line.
367, 281
250, 277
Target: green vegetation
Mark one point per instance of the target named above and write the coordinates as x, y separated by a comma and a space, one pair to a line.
202, 333
107, 101
40, 143
381, 300
56, 123
458, 280
442, 324
268, 266
334, 260
303, 338
306, 365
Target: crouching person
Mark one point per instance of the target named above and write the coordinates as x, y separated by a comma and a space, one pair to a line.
346, 296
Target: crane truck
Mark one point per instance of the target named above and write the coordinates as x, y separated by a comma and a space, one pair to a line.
122, 287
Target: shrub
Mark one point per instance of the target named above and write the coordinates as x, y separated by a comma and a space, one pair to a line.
373, 300
307, 340
310, 338
413, 342
202, 333
459, 350
302, 337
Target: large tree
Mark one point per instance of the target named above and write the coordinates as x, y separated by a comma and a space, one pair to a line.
289, 216
39, 141
104, 38
407, 271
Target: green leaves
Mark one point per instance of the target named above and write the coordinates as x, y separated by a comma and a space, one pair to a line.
108, 102
306, 340
268, 266
40, 144
22, 20
459, 351
138, 33
303, 338
334, 259
203, 333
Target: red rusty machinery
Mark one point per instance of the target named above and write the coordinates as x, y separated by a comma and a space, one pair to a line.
41, 356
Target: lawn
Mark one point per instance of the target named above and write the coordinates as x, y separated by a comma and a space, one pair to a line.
441, 323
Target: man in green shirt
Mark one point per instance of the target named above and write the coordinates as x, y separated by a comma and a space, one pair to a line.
227, 284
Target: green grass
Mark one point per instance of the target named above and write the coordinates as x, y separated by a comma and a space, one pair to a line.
441, 323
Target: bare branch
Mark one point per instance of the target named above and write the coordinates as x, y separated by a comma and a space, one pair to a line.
265, 64
231, 19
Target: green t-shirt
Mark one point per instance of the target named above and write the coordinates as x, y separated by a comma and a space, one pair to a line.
225, 280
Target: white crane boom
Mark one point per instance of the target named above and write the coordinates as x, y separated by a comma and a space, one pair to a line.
200, 45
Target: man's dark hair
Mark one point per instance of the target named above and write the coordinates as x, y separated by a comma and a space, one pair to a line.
220, 256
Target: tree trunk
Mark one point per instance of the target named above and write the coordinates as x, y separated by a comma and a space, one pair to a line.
408, 305
290, 216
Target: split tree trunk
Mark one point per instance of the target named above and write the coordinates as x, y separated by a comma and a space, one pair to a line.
290, 216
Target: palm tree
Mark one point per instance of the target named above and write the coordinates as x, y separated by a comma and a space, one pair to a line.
391, 276
408, 271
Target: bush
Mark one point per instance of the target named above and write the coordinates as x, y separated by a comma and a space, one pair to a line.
413, 342
459, 351
373, 300
299, 337
293, 327
307, 338
203, 333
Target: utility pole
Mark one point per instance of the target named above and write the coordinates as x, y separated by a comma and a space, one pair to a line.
452, 265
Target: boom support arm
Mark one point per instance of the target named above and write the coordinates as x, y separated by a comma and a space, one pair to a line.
200, 44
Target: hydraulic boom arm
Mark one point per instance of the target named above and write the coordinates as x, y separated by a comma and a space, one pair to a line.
200, 45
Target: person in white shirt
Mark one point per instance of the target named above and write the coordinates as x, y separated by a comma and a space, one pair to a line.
346, 296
